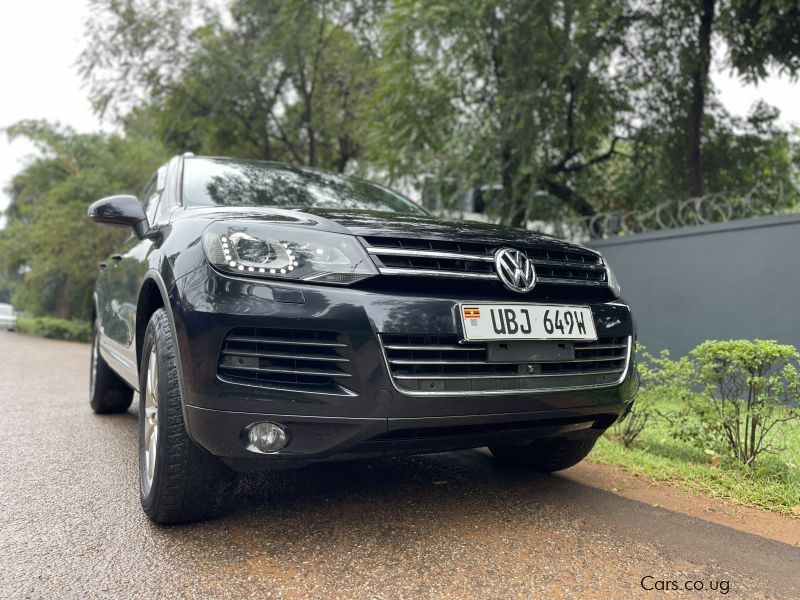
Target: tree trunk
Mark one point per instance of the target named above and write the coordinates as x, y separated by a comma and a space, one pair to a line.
699, 87
513, 201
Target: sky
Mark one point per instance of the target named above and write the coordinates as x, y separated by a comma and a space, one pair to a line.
40, 41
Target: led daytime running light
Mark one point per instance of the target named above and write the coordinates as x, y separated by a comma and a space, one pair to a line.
229, 249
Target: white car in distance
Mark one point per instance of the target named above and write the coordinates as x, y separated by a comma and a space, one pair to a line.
8, 317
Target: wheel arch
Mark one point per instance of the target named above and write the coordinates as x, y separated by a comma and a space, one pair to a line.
152, 296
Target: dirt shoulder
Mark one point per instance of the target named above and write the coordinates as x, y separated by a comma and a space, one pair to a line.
756, 521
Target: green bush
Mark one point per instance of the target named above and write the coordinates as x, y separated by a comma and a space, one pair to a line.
659, 377
724, 420
57, 329
729, 397
750, 389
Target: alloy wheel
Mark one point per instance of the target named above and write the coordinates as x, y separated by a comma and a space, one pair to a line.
150, 422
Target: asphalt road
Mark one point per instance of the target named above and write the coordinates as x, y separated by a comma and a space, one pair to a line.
452, 525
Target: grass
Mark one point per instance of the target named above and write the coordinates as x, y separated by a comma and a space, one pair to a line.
773, 483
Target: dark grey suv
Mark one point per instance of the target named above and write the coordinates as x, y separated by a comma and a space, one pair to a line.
270, 316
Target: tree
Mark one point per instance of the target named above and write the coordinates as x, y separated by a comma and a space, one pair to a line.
762, 34
49, 238
517, 92
564, 105
751, 156
677, 41
271, 79
698, 69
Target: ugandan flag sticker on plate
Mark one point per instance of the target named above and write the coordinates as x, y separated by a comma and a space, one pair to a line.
472, 313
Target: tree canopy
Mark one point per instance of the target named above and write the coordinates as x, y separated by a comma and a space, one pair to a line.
521, 93
556, 102
49, 238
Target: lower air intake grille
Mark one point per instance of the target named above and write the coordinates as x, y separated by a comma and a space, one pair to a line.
438, 364
286, 359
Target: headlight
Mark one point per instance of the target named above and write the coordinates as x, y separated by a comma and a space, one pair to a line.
264, 250
613, 282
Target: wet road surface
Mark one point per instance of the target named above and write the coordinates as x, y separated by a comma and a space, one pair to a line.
453, 525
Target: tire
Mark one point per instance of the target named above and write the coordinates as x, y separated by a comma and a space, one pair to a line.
179, 482
545, 455
108, 392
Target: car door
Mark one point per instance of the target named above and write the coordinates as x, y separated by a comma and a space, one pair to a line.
103, 300
124, 275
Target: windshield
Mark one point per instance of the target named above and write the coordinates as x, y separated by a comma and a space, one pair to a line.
228, 182
6, 309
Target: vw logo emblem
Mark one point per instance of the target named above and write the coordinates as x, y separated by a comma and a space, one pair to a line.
515, 270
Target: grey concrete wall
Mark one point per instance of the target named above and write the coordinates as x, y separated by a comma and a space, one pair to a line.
739, 279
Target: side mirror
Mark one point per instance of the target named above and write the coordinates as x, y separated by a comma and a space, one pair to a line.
121, 210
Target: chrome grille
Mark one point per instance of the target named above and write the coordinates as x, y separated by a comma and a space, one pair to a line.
286, 359
439, 258
438, 364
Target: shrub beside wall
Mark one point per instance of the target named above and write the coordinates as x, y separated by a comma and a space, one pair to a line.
751, 388
734, 397
57, 329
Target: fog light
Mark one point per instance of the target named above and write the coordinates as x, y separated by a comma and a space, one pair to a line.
265, 437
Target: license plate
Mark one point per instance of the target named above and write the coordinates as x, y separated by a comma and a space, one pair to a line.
483, 322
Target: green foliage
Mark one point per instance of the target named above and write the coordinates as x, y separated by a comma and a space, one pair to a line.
687, 431
659, 377
754, 152
750, 390
772, 483
519, 93
274, 80
560, 107
750, 156
7, 289
761, 34
49, 243
751, 387
57, 329
680, 125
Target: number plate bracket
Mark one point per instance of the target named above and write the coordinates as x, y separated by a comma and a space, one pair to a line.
533, 351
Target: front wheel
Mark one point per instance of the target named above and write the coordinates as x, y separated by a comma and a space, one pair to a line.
545, 455
178, 480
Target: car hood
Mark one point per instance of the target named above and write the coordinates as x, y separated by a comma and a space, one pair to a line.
369, 223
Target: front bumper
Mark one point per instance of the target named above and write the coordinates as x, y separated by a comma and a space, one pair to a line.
376, 417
